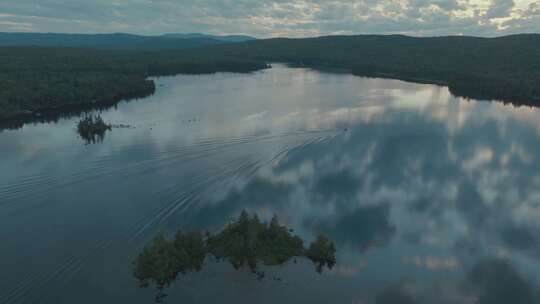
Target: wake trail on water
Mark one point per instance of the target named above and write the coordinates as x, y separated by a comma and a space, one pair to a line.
41, 182
236, 158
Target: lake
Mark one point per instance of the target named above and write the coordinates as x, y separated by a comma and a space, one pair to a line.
426, 195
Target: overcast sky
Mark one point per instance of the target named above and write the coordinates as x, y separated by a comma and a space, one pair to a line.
266, 18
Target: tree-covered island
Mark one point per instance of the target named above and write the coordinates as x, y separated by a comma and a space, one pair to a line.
245, 242
92, 128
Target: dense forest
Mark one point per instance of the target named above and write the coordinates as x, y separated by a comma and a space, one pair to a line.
35, 81
504, 68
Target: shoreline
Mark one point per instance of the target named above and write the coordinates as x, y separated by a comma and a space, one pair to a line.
52, 114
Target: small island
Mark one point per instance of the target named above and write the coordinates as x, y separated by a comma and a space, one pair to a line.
92, 128
245, 242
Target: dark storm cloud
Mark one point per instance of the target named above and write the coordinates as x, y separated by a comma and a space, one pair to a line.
266, 18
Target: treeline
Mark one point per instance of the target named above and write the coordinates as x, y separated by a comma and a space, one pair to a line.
505, 68
35, 81
48, 80
117, 40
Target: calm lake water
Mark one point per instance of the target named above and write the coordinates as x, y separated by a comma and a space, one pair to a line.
427, 196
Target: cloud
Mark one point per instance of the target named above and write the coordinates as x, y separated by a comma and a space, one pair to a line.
432, 263
521, 238
395, 295
362, 228
487, 281
265, 18
256, 195
342, 184
500, 9
496, 281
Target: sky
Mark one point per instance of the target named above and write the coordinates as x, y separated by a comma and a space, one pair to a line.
266, 18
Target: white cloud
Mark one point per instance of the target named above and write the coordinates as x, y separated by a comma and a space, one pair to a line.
265, 18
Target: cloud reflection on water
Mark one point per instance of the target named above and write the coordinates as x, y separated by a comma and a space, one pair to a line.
420, 190
450, 181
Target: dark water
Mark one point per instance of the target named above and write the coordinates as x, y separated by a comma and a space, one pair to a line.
428, 197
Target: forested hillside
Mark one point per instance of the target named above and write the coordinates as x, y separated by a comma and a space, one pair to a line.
504, 68
226, 38
115, 41
33, 79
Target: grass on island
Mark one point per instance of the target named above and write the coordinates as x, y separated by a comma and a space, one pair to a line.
245, 242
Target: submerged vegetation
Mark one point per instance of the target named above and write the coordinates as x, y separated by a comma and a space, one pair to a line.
245, 242
92, 128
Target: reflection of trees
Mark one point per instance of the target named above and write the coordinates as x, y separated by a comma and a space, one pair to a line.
92, 129
244, 242
53, 115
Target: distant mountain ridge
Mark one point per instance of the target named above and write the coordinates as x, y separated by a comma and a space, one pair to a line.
224, 38
118, 40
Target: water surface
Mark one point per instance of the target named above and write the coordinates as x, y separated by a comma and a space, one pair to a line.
426, 195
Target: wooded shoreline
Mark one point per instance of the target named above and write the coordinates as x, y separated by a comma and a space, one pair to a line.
45, 83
